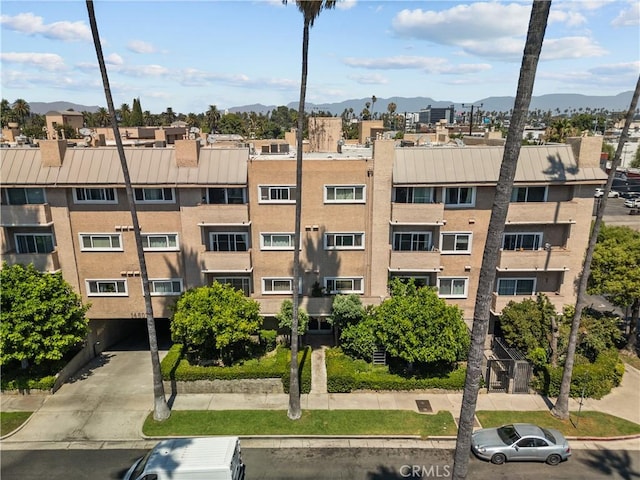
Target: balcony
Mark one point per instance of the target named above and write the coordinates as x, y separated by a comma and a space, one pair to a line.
415, 261
542, 212
554, 259
25, 215
230, 262
223, 214
417, 213
43, 262
498, 302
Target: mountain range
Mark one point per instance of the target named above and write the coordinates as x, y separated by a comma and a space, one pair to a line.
557, 103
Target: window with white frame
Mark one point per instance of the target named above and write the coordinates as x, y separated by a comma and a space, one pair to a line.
34, 242
521, 241
227, 195
529, 194
95, 195
460, 197
160, 241
516, 286
455, 242
100, 242
344, 194
344, 284
412, 241
23, 196
228, 242
453, 287
418, 280
277, 193
165, 286
99, 288
276, 286
413, 194
154, 195
276, 241
344, 241
239, 283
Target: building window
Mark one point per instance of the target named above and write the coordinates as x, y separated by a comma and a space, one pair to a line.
95, 195
529, 194
344, 241
413, 195
455, 243
99, 288
449, 287
344, 285
160, 241
418, 281
100, 242
412, 241
277, 194
227, 196
344, 194
239, 283
228, 242
23, 196
516, 286
460, 197
34, 242
521, 241
272, 286
162, 287
276, 241
154, 195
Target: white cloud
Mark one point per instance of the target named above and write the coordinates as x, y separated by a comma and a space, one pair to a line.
139, 46
32, 25
427, 64
41, 61
369, 79
617, 69
141, 71
570, 47
114, 59
571, 18
346, 4
629, 17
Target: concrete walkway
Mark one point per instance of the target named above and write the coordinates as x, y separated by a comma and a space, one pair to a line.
318, 371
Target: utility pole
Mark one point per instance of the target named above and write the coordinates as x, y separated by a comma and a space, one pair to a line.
466, 105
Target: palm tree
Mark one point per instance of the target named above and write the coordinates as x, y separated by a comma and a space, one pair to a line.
392, 110
21, 109
6, 113
161, 409
373, 104
102, 117
561, 408
482, 309
213, 117
125, 112
310, 10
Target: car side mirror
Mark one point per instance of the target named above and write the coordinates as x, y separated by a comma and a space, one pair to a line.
516, 447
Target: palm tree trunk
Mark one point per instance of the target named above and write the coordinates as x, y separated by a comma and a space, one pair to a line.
161, 409
294, 411
482, 310
561, 408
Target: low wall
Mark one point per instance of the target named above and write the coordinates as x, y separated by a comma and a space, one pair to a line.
258, 385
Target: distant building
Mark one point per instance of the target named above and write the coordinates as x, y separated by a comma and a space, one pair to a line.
55, 120
431, 115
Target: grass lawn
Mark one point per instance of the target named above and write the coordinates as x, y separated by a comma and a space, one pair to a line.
312, 422
9, 421
591, 424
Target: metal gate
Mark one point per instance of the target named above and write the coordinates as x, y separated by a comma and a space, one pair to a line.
497, 376
508, 371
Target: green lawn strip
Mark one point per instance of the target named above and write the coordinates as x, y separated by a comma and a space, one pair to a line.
9, 421
590, 424
312, 422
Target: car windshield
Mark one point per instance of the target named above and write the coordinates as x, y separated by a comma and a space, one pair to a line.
508, 434
140, 467
549, 436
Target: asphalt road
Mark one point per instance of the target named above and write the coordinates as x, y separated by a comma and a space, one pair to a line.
329, 464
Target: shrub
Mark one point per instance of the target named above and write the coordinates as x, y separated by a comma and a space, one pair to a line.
268, 339
304, 371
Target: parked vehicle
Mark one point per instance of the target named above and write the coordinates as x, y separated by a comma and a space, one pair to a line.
632, 202
518, 442
630, 194
211, 458
600, 193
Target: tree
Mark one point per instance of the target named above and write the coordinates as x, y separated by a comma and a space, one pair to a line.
161, 409
486, 281
6, 112
561, 407
42, 317
211, 319
136, 119
373, 104
102, 117
635, 163
213, 117
608, 149
391, 108
285, 317
125, 114
559, 130
21, 110
310, 10
346, 310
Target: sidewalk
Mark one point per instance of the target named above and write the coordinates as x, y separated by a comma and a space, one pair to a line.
105, 407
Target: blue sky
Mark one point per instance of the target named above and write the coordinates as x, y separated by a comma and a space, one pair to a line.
188, 55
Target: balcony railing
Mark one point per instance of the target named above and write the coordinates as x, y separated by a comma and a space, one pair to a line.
542, 212
555, 258
498, 302
415, 261
417, 213
25, 215
226, 261
223, 214
43, 262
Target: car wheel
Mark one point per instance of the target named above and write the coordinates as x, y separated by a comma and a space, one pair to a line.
498, 459
554, 459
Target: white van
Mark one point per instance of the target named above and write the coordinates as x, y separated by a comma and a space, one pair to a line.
200, 458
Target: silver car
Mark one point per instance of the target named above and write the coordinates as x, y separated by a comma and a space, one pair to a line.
520, 442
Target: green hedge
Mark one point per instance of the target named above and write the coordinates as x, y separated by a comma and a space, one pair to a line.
304, 362
595, 380
26, 384
345, 374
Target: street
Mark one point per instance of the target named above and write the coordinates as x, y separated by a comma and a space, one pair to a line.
326, 463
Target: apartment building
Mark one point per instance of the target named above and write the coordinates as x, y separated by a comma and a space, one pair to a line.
224, 215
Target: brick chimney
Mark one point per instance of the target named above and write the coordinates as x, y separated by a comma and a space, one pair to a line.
587, 150
52, 152
187, 153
